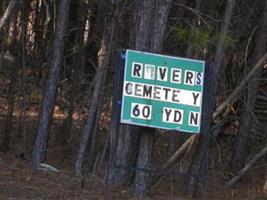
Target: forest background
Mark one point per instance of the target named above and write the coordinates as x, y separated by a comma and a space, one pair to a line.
57, 65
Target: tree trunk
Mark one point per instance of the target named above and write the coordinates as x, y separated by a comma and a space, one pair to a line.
40, 37
22, 118
190, 49
220, 47
241, 144
142, 177
151, 39
40, 145
79, 21
143, 22
11, 101
103, 60
92, 152
218, 69
265, 187
67, 124
144, 161
14, 70
194, 169
128, 135
159, 21
3, 24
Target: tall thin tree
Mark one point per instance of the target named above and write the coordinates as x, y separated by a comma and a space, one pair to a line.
247, 115
151, 23
146, 142
128, 135
219, 66
45, 117
103, 60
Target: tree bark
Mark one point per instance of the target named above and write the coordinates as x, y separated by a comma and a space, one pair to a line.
128, 135
22, 118
67, 124
190, 49
142, 177
78, 21
265, 187
241, 144
194, 169
11, 102
146, 140
122, 173
151, 13
45, 117
159, 21
144, 15
220, 47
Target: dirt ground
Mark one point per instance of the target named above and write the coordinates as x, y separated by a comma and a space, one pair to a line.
18, 183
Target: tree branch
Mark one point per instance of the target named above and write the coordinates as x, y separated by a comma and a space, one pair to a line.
240, 87
5, 18
247, 167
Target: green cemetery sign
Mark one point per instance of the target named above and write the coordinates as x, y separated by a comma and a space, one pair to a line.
162, 91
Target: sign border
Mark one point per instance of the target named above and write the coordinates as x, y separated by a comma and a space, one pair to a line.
129, 122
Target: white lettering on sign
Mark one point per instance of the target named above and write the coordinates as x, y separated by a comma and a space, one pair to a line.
162, 73
155, 92
189, 77
171, 115
149, 72
137, 70
141, 111
194, 118
193, 78
176, 75
162, 91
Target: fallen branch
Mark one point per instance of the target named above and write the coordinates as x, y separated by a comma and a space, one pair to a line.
240, 87
179, 152
174, 158
246, 168
47, 168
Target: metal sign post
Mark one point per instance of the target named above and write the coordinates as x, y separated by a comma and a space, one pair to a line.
208, 102
116, 107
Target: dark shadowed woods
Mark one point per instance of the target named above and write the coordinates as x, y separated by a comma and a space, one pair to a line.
57, 75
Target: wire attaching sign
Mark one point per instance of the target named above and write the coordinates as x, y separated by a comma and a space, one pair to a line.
162, 91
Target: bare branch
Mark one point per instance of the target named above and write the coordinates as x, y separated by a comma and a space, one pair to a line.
247, 167
240, 87
5, 18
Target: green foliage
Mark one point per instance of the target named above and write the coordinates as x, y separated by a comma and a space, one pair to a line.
201, 37
180, 34
229, 40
